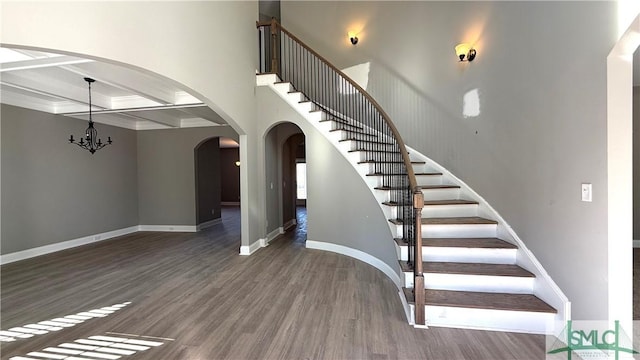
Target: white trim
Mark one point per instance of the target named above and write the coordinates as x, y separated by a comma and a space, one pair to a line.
289, 224
360, 255
168, 228
208, 224
47, 249
636, 243
272, 235
248, 250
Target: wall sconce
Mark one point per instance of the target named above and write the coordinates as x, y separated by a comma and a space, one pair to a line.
353, 38
465, 52
238, 163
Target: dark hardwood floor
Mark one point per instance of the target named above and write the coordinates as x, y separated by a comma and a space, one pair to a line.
207, 302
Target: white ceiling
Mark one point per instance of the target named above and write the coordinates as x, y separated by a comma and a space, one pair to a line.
120, 96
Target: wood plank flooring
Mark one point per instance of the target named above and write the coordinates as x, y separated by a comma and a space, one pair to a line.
283, 302
480, 300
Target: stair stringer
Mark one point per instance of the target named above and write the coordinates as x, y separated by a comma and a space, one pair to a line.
544, 287
394, 273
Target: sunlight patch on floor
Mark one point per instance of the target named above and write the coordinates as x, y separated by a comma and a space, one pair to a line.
57, 324
95, 347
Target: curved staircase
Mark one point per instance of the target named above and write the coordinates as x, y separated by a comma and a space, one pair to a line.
477, 273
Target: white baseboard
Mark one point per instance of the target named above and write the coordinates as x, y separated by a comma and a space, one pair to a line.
260, 243
47, 249
289, 224
169, 228
360, 255
248, 250
208, 224
636, 243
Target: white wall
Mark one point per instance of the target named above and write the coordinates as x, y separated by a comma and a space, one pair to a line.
541, 77
208, 47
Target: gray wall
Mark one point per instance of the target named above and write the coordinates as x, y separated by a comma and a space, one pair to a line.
636, 161
541, 77
357, 223
53, 191
193, 52
166, 173
208, 174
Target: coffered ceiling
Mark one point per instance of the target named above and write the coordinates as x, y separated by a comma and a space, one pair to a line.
122, 97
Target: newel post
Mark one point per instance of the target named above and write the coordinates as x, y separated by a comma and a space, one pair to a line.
274, 39
418, 281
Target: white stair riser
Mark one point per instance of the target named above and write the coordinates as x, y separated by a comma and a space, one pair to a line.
353, 145
480, 283
382, 196
306, 106
455, 231
283, 88
441, 194
463, 210
436, 211
430, 179
466, 255
295, 97
488, 319
424, 180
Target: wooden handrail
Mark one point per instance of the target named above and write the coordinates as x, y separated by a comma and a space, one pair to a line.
405, 154
418, 197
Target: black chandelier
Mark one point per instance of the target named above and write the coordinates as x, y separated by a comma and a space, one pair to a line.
88, 141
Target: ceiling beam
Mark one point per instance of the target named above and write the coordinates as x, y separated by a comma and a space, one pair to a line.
203, 112
156, 116
42, 63
123, 79
129, 110
36, 84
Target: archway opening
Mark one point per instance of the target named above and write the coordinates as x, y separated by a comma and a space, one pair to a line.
285, 170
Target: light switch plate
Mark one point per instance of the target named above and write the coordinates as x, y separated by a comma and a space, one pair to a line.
587, 193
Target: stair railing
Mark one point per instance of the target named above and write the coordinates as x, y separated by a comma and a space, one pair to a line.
363, 120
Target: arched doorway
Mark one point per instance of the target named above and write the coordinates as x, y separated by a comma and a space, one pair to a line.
284, 157
208, 184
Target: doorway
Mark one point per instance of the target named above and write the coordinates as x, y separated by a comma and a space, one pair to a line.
285, 175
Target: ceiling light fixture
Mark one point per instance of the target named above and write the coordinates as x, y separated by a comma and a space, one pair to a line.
91, 134
465, 52
352, 37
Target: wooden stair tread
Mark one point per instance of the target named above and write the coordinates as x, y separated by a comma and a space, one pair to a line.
471, 243
374, 151
438, 187
464, 220
450, 202
438, 202
388, 162
400, 174
470, 269
423, 187
482, 300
